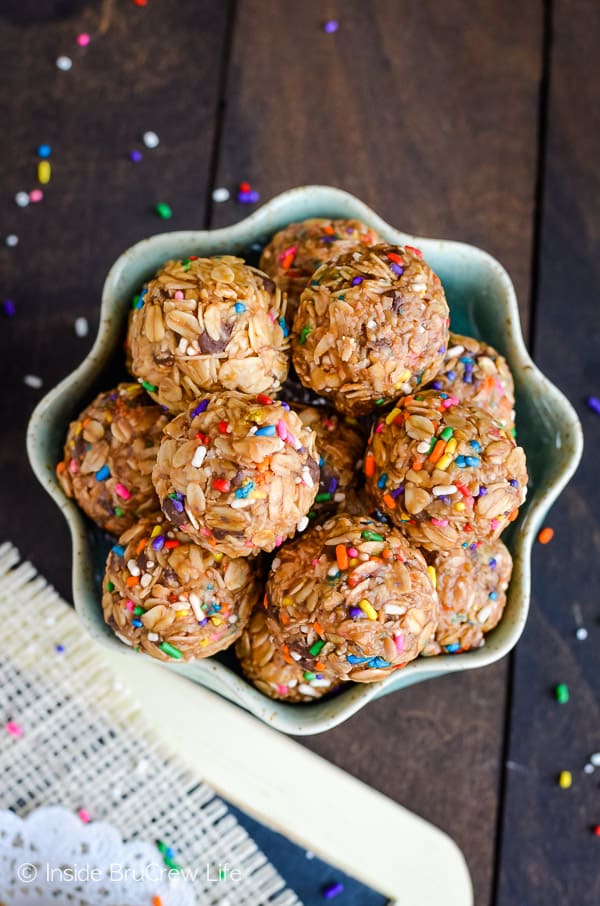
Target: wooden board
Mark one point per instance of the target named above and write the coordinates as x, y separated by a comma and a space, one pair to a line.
429, 113
293, 791
549, 853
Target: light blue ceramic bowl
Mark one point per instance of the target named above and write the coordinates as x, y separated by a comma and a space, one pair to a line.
482, 303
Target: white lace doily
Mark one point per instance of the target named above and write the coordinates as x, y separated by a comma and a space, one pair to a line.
53, 857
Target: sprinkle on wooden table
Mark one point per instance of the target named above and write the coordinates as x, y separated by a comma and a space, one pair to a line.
150, 139
163, 210
546, 535
565, 780
220, 194
561, 692
81, 327
594, 404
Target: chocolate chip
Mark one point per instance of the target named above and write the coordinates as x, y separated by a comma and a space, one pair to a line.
172, 514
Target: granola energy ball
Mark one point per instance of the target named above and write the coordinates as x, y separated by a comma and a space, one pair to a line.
207, 324
237, 473
340, 447
471, 585
371, 325
475, 373
173, 599
352, 597
109, 455
273, 670
294, 253
444, 471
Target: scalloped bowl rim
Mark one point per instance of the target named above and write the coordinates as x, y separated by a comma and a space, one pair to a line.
320, 716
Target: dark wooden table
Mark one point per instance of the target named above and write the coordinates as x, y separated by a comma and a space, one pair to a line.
476, 121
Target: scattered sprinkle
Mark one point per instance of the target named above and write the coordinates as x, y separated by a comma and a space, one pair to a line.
333, 890
163, 210
8, 307
44, 172
588, 768
44, 150
594, 404
11, 240
84, 816
83, 39
246, 194
151, 139
331, 26
14, 729
32, 380
35, 196
135, 156
597, 830
221, 194
595, 759
581, 634
81, 327
60, 649
561, 692
565, 780
22, 199
64, 63
546, 535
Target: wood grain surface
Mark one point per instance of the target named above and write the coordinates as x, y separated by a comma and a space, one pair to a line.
429, 112
549, 853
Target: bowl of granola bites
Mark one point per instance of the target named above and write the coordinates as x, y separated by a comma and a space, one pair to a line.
306, 459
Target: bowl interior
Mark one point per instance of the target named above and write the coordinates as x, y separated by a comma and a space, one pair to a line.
482, 304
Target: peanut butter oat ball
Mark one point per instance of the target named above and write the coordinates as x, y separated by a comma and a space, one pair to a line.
273, 670
475, 373
371, 325
173, 599
471, 586
353, 597
340, 447
445, 472
207, 324
294, 253
237, 473
109, 455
